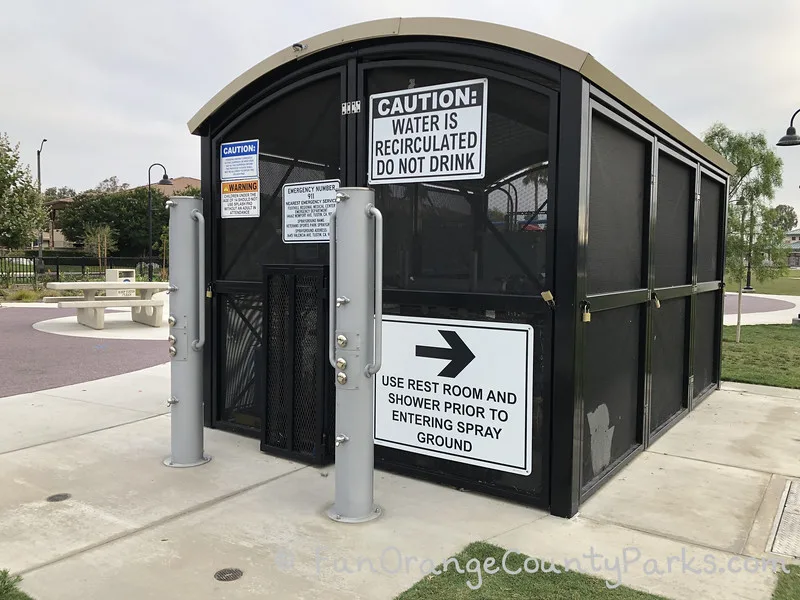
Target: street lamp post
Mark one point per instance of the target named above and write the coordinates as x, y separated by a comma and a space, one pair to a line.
164, 181
791, 138
39, 185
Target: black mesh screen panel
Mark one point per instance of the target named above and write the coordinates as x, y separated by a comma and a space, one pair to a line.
673, 240
669, 352
241, 336
704, 341
298, 380
708, 231
299, 137
479, 235
617, 198
611, 388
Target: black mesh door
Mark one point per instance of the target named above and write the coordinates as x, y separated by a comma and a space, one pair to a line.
612, 388
267, 378
669, 351
296, 384
705, 337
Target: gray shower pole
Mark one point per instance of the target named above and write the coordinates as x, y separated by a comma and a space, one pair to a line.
186, 330
354, 346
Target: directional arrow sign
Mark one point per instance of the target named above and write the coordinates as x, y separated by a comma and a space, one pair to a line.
459, 391
458, 354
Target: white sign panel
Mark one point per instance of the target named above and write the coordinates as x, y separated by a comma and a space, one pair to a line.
239, 160
240, 199
457, 390
434, 133
307, 209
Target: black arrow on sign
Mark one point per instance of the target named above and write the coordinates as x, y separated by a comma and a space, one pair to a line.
458, 354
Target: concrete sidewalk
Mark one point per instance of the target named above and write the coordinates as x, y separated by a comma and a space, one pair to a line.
134, 529
762, 309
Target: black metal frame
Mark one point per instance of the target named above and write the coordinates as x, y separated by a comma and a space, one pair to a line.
573, 102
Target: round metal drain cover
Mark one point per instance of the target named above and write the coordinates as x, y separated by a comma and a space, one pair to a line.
228, 574
59, 497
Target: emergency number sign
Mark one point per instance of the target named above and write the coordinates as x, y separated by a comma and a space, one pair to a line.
457, 390
434, 133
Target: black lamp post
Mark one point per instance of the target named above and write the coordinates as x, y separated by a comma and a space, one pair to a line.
164, 181
39, 184
791, 138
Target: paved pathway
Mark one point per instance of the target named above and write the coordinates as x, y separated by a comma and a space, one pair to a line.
40, 361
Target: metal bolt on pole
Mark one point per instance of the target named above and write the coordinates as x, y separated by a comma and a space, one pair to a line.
354, 347
186, 330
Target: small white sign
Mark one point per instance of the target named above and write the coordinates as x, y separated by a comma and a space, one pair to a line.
307, 209
238, 160
434, 133
457, 390
240, 199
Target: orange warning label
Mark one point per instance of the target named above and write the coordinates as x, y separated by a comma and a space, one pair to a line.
235, 187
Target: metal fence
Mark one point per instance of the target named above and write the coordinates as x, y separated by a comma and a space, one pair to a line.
15, 270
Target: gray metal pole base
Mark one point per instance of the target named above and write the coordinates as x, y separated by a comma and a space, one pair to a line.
168, 462
333, 515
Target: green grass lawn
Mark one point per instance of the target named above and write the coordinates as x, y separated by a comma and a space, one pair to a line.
788, 587
767, 355
9, 589
787, 286
452, 585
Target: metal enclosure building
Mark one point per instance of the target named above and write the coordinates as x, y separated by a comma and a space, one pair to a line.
587, 191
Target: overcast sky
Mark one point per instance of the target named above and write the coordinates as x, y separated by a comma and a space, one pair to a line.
111, 84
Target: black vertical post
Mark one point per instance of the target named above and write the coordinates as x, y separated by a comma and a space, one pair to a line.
58, 268
566, 436
149, 229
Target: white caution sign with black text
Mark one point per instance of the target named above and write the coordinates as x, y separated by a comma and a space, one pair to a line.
457, 390
307, 209
434, 133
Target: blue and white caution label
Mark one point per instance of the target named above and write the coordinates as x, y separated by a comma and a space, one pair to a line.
239, 160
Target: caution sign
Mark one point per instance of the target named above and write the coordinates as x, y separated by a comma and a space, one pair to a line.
457, 390
434, 133
240, 199
307, 209
238, 160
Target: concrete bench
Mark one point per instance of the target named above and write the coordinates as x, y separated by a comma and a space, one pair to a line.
91, 313
54, 299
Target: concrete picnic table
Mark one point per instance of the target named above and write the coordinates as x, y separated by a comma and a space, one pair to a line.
91, 308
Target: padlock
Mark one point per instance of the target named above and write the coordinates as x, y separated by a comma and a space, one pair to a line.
656, 301
586, 317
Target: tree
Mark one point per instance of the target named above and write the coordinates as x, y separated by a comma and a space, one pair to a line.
111, 184
189, 190
56, 193
21, 209
100, 240
787, 217
754, 238
124, 211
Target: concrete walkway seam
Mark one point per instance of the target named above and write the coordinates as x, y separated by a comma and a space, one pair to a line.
159, 522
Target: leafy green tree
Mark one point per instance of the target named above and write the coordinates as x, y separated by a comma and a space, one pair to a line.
21, 209
111, 184
56, 193
190, 190
99, 240
755, 234
124, 211
787, 217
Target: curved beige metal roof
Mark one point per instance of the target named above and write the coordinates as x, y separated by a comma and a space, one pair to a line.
501, 35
